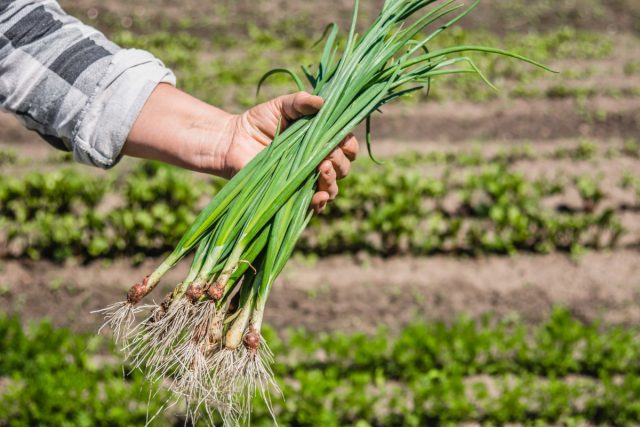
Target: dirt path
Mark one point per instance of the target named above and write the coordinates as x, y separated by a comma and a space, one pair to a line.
514, 120
348, 293
535, 120
230, 15
341, 293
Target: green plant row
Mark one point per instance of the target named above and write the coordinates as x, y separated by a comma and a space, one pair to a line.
495, 372
559, 347
69, 213
52, 377
385, 210
228, 24
583, 150
395, 209
363, 399
631, 182
559, 44
229, 80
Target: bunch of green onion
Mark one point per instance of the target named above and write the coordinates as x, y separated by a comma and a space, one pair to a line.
205, 335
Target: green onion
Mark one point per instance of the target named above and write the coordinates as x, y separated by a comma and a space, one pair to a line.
206, 333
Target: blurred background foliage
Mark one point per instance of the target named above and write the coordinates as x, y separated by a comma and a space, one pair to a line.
549, 164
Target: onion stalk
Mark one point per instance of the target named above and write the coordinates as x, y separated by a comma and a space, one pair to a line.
206, 334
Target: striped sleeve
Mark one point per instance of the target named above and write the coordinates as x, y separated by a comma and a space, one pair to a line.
67, 82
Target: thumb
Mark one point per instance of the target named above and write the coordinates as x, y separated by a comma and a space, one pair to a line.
297, 105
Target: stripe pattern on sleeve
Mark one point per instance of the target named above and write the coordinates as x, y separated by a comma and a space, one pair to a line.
67, 82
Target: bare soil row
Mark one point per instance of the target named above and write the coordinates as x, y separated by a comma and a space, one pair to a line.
360, 293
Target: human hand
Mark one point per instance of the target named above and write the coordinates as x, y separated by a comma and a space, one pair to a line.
177, 128
251, 131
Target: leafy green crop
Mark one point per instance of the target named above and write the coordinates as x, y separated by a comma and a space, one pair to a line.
395, 209
8, 157
60, 192
227, 80
68, 213
632, 182
491, 371
478, 204
51, 377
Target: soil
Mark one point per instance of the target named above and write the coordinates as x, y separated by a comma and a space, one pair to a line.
453, 122
360, 293
233, 15
514, 120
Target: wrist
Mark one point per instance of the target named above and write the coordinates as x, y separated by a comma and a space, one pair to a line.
179, 129
206, 140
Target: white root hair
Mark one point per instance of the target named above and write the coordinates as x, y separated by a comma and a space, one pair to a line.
120, 317
191, 383
254, 376
239, 376
184, 343
222, 367
152, 349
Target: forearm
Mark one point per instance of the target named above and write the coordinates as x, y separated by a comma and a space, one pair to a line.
176, 128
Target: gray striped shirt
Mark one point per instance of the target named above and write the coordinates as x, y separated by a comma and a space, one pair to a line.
68, 83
